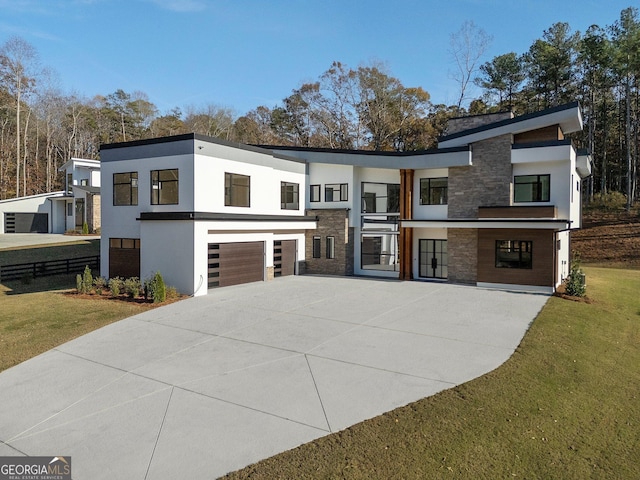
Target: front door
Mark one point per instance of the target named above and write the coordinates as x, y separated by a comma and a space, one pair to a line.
433, 258
79, 213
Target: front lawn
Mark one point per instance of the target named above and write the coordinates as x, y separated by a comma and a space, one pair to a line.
565, 405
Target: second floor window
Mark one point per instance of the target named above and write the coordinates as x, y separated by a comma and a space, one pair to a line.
434, 191
314, 193
336, 192
237, 190
289, 196
380, 197
531, 188
125, 188
164, 187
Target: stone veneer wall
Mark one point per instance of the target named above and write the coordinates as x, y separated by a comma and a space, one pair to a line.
458, 124
462, 245
335, 223
486, 183
93, 212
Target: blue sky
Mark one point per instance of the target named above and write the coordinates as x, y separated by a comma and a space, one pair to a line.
245, 53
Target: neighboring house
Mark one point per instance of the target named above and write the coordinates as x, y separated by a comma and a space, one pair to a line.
492, 206
58, 212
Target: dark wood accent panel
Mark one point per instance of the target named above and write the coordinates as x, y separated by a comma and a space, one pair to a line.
542, 272
554, 132
239, 263
405, 240
284, 258
543, 211
124, 262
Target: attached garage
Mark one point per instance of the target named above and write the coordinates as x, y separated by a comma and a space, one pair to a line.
235, 263
284, 258
26, 222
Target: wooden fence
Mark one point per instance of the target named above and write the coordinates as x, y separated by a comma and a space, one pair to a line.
49, 268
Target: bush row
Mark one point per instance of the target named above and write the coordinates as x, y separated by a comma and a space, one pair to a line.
153, 288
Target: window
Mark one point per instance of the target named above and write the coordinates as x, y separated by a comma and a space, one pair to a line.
336, 192
380, 197
84, 182
70, 209
237, 190
434, 191
314, 194
289, 196
514, 253
331, 247
316, 247
164, 187
69, 182
531, 188
125, 188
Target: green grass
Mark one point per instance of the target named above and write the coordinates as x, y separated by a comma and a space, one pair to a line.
61, 251
566, 405
42, 315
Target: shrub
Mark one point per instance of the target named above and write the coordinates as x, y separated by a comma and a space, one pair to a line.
172, 293
132, 287
608, 201
79, 283
100, 283
115, 286
155, 289
87, 280
575, 284
85, 229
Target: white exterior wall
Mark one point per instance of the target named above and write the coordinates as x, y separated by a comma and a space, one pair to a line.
168, 248
428, 212
560, 181
121, 221
563, 257
264, 187
326, 174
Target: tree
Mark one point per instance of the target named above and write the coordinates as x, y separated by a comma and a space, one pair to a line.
550, 63
626, 38
18, 74
502, 76
212, 120
467, 47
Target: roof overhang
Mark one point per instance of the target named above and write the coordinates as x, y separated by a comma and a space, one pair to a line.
569, 117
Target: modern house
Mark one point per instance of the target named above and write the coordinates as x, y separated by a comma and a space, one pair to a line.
492, 206
58, 212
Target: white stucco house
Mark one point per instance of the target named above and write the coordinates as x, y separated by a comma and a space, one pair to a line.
492, 206
58, 212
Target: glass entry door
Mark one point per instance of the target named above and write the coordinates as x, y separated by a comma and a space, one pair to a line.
433, 258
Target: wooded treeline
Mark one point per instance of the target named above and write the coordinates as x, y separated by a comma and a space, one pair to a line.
351, 108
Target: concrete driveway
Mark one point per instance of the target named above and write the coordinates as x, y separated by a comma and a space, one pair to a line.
211, 384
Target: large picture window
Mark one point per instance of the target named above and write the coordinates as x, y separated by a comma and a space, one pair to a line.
164, 187
434, 191
336, 192
289, 196
237, 190
514, 254
531, 188
380, 197
125, 188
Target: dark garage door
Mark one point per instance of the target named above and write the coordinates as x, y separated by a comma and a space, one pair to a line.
26, 223
235, 263
284, 258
